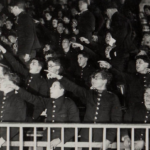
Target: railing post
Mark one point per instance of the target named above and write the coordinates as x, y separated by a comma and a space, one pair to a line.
48, 138
132, 137
90, 138
147, 138
76, 138
21, 138
8, 138
118, 138
35, 139
104, 138
62, 138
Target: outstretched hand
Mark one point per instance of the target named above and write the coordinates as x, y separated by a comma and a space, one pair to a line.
51, 75
104, 64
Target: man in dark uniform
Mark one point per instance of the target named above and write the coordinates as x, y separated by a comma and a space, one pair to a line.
134, 83
26, 32
60, 109
11, 108
102, 106
140, 113
86, 20
33, 81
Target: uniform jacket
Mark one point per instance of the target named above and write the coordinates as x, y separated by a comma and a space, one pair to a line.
86, 24
135, 85
33, 83
140, 115
100, 108
12, 109
26, 32
120, 29
61, 110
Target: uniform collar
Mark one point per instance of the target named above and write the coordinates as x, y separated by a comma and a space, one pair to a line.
58, 101
35, 75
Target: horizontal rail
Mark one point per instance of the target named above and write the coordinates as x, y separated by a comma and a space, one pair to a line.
68, 144
72, 125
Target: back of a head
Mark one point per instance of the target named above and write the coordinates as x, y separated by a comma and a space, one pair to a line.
19, 3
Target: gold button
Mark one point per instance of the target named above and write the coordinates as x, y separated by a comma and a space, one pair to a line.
95, 117
53, 120
97, 108
98, 103
53, 131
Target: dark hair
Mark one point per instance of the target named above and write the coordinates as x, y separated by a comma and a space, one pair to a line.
146, 6
40, 62
84, 54
106, 75
19, 3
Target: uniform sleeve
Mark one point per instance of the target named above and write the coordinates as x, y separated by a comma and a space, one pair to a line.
73, 118
75, 89
25, 34
43, 91
35, 100
116, 117
91, 54
16, 65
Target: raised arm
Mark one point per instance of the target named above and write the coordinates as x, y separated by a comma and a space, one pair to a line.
16, 65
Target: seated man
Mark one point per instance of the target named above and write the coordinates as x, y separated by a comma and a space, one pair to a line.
137, 114
135, 83
102, 106
33, 81
12, 109
60, 109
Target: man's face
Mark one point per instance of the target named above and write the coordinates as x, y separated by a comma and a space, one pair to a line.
54, 23
9, 25
97, 81
141, 65
48, 16
60, 28
55, 90
60, 14
12, 39
65, 44
74, 23
34, 67
14, 10
146, 41
53, 67
82, 61
147, 11
147, 98
66, 20
82, 5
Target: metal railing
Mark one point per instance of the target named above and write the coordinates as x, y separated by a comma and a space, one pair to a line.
76, 144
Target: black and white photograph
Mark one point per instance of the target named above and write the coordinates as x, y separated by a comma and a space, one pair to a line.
74, 74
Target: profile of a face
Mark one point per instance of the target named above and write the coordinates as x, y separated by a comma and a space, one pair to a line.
97, 81
147, 98
141, 66
56, 90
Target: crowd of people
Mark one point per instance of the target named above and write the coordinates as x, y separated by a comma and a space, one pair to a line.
81, 62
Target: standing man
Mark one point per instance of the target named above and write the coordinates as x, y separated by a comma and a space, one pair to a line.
86, 21
27, 38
